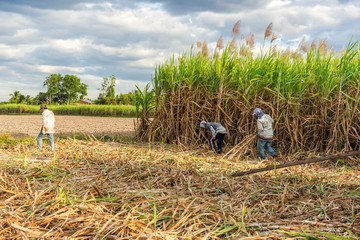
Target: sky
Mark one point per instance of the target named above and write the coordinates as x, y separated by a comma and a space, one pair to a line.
93, 39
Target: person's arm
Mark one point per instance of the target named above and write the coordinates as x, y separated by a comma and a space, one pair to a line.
45, 121
271, 120
212, 130
260, 126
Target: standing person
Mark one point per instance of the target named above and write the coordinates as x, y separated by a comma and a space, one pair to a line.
48, 127
265, 133
217, 133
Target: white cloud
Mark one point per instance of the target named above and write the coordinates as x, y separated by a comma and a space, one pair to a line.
10, 20
352, 12
136, 50
144, 21
55, 69
278, 3
146, 63
126, 86
9, 52
73, 45
26, 33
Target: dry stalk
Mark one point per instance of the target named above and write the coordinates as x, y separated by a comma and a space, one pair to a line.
170, 194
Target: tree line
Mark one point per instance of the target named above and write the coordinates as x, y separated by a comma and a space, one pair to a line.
69, 89
107, 94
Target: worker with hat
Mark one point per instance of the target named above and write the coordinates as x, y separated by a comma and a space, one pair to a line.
265, 133
48, 127
218, 132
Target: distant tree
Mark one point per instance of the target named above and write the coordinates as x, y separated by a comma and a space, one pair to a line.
64, 89
108, 87
29, 100
72, 89
42, 97
16, 97
100, 100
22, 99
106, 101
127, 98
52, 83
107, 95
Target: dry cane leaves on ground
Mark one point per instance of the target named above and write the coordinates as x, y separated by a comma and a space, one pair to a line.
97, 190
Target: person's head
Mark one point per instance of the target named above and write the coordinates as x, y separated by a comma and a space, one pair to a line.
43, 107
258, 112
202, 124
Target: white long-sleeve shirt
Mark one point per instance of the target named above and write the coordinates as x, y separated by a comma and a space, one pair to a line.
48, 119
265, 129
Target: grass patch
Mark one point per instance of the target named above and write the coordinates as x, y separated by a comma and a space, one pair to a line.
77, 110
6, 140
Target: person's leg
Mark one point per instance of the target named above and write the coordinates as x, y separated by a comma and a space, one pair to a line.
261, 145
39, 140
269, 150
220, 139
212, 144
51, 139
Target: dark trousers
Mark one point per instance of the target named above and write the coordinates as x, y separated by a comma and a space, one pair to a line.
219, 138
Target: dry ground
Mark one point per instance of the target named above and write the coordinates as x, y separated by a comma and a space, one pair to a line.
22, 125
96, 190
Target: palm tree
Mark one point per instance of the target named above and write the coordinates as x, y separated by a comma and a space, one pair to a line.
15, 97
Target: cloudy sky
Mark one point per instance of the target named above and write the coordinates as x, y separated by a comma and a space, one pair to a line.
93, 39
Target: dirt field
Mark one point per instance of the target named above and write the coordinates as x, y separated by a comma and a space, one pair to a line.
23, 125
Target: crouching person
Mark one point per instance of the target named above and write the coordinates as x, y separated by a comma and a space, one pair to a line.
265, 133
48, 127
217, 134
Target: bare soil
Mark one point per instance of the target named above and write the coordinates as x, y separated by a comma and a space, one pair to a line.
30, 125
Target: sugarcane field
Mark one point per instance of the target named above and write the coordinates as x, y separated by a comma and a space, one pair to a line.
230, 144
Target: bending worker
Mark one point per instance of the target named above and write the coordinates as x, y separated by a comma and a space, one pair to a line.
217, 133
265, 133
48, 127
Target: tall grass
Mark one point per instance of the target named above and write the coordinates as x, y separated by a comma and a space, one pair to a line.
309, 94
85, 110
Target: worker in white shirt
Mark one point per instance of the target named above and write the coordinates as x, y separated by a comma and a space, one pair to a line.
265, 133
48, 127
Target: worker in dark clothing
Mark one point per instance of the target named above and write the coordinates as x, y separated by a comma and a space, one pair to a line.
217, 134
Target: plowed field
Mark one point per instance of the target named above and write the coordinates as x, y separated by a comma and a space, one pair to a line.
22, 125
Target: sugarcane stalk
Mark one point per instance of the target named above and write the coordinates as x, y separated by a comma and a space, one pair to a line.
290, 164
